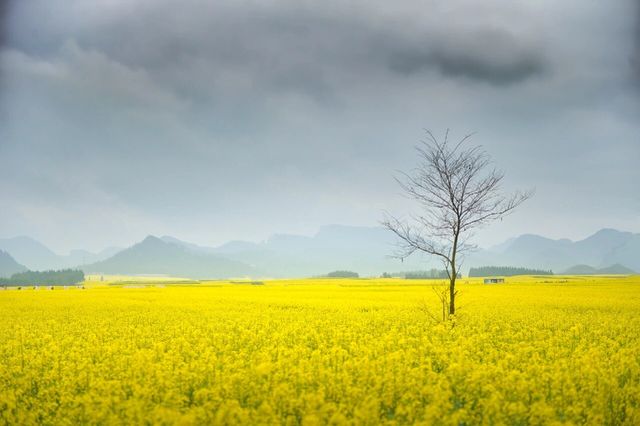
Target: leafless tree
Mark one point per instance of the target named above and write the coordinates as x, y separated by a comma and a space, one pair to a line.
458, 191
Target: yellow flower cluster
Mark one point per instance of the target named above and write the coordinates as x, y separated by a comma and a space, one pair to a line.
531, 351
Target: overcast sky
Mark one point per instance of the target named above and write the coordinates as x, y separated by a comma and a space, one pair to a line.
218, 120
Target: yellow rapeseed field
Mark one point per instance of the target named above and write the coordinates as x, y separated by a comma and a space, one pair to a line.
532, 351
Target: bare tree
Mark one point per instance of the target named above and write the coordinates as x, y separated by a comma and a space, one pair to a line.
458, 191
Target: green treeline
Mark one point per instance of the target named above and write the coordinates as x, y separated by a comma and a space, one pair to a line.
505, 271
61, 277
343, 274
433, 274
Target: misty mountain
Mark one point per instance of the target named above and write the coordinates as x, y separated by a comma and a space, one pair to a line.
156, 256
366, 250
84, 257
600, 248
189, 246
30, 253
627, 254
616, 269
8, 265
533, 250
604, 248
37, 257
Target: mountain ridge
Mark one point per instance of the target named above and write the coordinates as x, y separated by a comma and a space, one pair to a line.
156, 256
36, 256
616, 269
366, 250
9, 266
601, 249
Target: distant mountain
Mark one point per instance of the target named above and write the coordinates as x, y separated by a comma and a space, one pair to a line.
500, 248
8, 265
189, 246
534, 251
600, 248
84, 257
365, 250
31, 253
37, 257
616, 269
627, 254
156, 256
580, 270
605, 247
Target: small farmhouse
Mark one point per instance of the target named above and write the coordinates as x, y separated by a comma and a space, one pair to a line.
493, 280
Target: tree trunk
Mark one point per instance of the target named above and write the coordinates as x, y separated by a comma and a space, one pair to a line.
454, 272
452, 294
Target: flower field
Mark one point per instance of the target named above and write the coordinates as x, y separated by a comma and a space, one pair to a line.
547, 350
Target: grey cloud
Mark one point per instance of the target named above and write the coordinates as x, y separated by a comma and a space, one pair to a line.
4, 32
635, 55
287, 48
4, 21
493, 56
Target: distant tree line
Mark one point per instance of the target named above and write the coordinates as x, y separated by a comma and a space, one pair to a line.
61, 277
343, 274
506, 271
432, 274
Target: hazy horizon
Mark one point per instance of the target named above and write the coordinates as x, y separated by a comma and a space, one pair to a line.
209, 244
236, 121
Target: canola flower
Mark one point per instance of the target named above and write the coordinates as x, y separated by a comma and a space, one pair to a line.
546, 350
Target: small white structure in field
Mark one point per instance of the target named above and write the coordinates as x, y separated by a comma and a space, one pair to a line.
494, 280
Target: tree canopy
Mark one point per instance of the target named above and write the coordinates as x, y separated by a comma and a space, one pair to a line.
61, 277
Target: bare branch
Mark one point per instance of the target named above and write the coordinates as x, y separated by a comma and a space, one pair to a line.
458, 191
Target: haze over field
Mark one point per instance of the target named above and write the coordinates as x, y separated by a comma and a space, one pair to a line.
238, 120
365, 250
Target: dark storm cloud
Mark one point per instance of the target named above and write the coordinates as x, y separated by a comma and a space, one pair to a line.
4, 33
635, 56
4, 16
493, 56
285, 47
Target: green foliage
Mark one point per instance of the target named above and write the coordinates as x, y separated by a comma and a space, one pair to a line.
343, 274
432, 274
505, 271
61, 277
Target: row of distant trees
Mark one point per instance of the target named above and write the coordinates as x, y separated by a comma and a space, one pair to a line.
432, 274
61, 277
506, 271
342, 274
